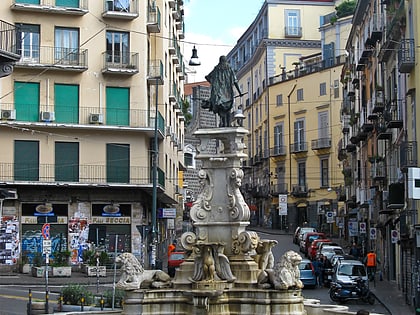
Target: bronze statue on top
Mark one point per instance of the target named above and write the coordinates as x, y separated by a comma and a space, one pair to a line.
222, 78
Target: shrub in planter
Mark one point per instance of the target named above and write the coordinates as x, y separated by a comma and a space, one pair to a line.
73, 293
119, 298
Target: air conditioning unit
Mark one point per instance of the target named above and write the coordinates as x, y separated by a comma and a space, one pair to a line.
9, 114
96, 118
46, 116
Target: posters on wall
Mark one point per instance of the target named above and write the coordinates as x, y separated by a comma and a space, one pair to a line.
9, 240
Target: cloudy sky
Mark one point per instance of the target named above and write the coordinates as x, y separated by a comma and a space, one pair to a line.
214, 26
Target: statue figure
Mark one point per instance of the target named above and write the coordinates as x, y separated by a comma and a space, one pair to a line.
211, 261
285, 274
133, 275
222, 78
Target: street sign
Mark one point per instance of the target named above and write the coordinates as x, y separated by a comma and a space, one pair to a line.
45, 231
46, 246
330, 217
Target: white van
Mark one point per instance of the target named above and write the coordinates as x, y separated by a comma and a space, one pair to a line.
347, 271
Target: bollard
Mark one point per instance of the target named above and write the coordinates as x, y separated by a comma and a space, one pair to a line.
102, 302
47, 311
60, 302
82, 301
29, 306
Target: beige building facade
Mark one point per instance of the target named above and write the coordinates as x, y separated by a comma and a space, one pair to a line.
78, 122
289, 62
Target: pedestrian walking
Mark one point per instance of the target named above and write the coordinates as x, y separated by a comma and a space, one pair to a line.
319, 271
354, 251
371, 261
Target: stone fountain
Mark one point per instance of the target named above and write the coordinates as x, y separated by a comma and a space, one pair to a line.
229, 270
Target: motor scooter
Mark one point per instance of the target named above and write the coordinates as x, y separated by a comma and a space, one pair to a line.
357, 290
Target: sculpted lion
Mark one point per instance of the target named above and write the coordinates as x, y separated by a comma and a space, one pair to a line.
284, 275
133, 275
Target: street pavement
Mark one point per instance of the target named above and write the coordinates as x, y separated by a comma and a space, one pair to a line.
386, 291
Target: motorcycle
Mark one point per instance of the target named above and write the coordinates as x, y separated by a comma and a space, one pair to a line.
357, 290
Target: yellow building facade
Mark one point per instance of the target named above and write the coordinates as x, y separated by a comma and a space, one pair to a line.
78, 121
289, 62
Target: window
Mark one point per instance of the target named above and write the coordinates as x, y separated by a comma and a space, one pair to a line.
28, 42
67, 3
328, 52
26, 166
323, 89
323, 128
118, 163
278, 139
336, 89
324, 172
299, 133
293, 23
299, 94
66, 98
66, 45
67, 161
119, 5
117, 45
27, 101
302, 173
117, 106
188, 159
279, 100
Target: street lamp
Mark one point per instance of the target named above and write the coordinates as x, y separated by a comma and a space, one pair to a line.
194, 61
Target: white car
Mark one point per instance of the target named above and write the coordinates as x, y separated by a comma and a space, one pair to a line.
346, 271
329, 251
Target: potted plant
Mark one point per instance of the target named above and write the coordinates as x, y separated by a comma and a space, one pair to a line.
60, 264
38, 265
94, 263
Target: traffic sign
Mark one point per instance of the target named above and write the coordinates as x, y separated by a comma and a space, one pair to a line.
330, 217
46, 246
45, 231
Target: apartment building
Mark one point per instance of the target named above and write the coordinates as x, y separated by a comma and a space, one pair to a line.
84, 117
380, 136
289, 63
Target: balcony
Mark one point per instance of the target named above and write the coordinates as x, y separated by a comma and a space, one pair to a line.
278, 150
378, 170
71, 7
79, 175
155, 72
377, 27
345, 123
299, 147
393, 115
351, 147
56, 58
322, 143
300, 191
8, 51
382, 131
279, 188
408, 154
406, 56
378, 102
120, 9
292, 31
153, 20
120, 63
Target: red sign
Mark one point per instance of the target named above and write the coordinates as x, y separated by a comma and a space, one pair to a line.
45, 231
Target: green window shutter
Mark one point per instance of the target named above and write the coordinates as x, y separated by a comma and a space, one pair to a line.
26, 167
27, 101
67, 161
117, 106
66, 103
67, 3
28, 1
118, 163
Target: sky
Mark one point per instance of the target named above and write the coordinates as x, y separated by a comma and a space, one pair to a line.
214, 26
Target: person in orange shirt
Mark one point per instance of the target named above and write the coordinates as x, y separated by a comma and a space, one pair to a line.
371, 262
171, 247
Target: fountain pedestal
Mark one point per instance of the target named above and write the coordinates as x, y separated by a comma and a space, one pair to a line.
220, 275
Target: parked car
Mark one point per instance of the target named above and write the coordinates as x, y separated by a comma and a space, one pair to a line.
312, 251
307, 273
335, 259
346, 271
175, 259
299, 231
329, 251
309, 238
